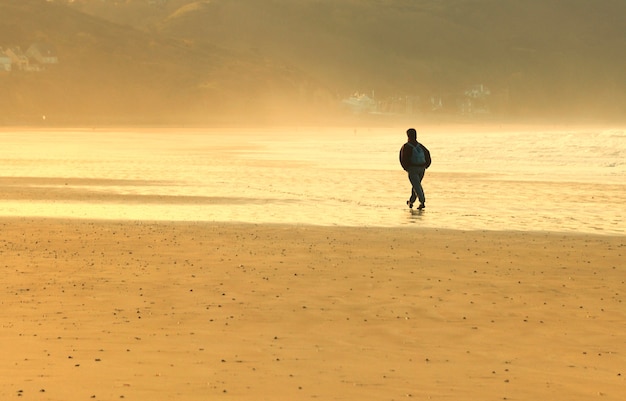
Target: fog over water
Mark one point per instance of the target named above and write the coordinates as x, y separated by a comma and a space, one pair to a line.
571, 180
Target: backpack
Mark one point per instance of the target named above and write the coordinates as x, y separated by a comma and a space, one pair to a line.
417, 157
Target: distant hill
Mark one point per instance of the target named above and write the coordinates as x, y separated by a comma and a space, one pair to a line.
115, 74
184, 61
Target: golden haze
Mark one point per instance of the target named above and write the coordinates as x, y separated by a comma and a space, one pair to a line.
183, 61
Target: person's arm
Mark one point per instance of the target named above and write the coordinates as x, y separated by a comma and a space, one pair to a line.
405, 157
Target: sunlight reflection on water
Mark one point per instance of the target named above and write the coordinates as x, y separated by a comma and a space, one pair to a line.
533, 180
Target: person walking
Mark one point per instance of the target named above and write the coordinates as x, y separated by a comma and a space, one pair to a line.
415, 159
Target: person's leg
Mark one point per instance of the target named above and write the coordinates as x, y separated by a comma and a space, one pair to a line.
413, 195
412, 198
415, 176
423, 195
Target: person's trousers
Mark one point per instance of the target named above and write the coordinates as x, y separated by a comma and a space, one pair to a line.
416, 174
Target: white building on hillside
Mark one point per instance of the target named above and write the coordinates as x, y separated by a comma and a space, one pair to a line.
5, 61
18, 58
43, 53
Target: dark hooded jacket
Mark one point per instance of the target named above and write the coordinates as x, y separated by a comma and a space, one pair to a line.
405, 155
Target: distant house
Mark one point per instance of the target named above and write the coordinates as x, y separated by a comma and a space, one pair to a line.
476, 100
43, 53
5, 61
18, 58
479, 91
360, 103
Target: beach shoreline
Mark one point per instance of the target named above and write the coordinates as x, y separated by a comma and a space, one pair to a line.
194, 311
478, 180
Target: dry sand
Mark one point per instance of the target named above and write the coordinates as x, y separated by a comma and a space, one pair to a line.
169, 311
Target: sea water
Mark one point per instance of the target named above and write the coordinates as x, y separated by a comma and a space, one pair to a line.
530, 179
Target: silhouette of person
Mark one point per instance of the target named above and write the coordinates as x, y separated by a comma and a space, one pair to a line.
415, 159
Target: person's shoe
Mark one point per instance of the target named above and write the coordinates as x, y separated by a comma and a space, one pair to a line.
410, 204
421, 206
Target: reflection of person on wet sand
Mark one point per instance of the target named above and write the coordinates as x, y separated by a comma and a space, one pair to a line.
415, 159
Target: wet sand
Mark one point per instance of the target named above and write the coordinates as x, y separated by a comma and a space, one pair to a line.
479, 180
110, 310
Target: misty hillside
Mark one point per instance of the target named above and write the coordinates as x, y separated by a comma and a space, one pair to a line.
538, 54
178, 61
109, 73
